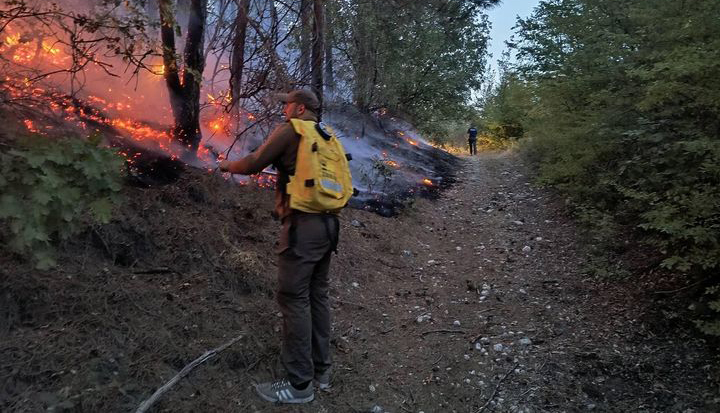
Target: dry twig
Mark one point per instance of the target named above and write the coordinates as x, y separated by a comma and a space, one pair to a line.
497, 386
144, 406
443, 331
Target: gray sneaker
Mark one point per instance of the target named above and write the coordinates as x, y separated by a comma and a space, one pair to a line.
322, 380
281, 391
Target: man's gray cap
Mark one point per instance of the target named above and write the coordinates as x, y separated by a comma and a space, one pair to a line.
303, 96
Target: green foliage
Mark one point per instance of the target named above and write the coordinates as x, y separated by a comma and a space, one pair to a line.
625, 116
506, 107
49, 188
422, 59
711, 326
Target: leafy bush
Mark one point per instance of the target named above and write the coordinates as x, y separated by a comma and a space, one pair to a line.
51, 187
712, 325
624, 118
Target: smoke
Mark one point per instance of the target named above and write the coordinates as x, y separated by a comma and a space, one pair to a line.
389, 156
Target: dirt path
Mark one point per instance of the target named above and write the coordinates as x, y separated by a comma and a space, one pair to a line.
479, 302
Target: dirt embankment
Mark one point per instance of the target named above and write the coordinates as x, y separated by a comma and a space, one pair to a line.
479, 301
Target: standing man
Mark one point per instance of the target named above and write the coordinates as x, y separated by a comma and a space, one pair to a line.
305, 246
472, 140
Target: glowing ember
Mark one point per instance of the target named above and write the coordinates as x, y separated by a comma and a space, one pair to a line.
412, 142
427, 182
219, 124
264, 180
30, 126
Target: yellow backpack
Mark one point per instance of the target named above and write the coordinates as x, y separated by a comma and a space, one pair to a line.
322, 182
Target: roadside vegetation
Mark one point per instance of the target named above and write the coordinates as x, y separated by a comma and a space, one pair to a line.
618, 106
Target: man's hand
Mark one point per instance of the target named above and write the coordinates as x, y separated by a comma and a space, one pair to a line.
225, 165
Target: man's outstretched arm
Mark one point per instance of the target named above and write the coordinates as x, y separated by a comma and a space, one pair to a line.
265, 155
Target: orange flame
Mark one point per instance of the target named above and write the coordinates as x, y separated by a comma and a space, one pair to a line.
30, 126
216, 125
49, 48
427, 182
12, 40
158, 70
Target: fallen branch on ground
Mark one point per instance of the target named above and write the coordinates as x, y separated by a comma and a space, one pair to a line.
443, 331
144, 406
497, 386
161, 270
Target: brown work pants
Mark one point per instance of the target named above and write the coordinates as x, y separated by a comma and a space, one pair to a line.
306, 244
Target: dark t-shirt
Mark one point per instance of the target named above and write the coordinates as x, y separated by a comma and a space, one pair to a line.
472, 133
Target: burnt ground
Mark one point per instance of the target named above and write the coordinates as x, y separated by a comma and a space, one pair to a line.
483, 300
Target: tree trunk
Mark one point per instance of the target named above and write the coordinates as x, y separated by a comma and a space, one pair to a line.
318, 50
185, 95
329, 76
305, 37
364, 66
237, 59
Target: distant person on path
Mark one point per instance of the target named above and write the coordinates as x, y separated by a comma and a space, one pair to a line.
306, 243
472, 140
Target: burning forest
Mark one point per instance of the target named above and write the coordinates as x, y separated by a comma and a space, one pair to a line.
86, 68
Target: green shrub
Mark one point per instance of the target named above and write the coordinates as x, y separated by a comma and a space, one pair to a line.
625, 120
51, 188
711, 326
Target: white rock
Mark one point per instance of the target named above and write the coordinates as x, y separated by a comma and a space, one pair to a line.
466, 357
372, 390
522, 291
431, 262
518, 223
356, 285
525, 341
478, 346
538, 238
423, 318
456, 323
458, 248
485, 292
526, 249
498, 347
